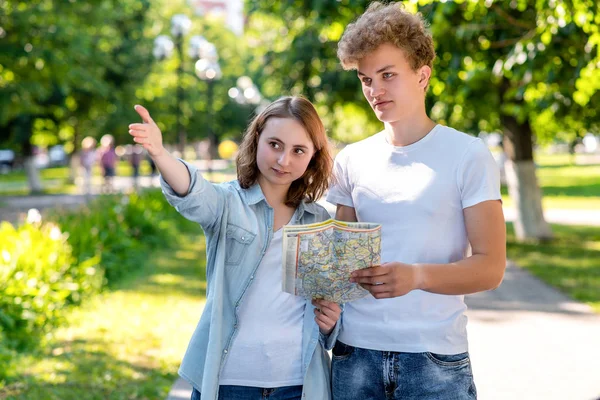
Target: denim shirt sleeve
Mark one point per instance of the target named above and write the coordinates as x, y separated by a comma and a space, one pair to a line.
204, 201
328, 341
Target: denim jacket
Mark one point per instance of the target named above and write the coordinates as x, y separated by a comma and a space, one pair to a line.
238, 225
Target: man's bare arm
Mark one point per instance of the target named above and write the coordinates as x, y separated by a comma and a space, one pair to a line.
345, 213
483, 270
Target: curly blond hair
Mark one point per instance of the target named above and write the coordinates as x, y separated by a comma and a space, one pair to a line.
312, 185
387, 23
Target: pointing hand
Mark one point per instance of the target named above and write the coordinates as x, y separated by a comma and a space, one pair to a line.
147, 133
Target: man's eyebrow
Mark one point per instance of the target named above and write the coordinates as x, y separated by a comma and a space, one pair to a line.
378, 71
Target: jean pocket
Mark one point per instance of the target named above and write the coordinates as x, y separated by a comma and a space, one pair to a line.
238, 240
341, 351
449, 360
195, 395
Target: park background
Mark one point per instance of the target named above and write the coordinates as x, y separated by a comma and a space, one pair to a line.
99, 293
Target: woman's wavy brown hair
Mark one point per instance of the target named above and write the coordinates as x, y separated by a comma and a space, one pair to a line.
387, 23
312, 185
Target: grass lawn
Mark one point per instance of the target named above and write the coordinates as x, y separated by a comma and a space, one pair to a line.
128, 342
571, 262
54, 180
565, 185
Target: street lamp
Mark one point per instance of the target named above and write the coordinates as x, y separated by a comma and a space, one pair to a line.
163, 48
208, 69
245, 91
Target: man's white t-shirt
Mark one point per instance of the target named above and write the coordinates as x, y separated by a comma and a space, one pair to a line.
267, 350
417, 193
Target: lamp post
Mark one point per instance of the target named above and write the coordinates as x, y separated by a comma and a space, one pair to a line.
163, 48
208, 69
245, 92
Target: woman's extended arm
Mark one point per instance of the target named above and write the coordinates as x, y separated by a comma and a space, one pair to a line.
149, 136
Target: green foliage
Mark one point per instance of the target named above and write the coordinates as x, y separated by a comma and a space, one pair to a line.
199, 114
122, 345
535, 61
66, 67
46, 267
294, 47
351, 122
38, 278
120, 229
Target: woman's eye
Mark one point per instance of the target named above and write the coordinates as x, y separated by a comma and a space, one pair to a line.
367, 81
387, 75
299, 151
274, 145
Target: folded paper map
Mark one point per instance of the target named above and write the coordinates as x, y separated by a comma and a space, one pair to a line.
319, 258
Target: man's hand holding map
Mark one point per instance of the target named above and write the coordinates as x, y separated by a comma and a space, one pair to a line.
319, 258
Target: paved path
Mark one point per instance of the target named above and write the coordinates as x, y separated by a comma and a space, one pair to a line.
529, 341
14, 208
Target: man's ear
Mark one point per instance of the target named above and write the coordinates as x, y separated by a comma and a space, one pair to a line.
424, 76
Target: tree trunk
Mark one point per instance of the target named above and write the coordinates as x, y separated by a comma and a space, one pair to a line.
33, 176
522, 182
214, 146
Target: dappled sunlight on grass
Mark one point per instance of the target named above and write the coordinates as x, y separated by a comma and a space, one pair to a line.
187, 254
178, 275
565, 185
565, 202
127, 343
569, 262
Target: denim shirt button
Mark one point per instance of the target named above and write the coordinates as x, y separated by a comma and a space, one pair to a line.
225, 351
251, 277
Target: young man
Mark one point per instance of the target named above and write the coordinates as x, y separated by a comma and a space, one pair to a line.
435, 191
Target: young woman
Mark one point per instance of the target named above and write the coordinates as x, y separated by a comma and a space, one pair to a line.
254, 341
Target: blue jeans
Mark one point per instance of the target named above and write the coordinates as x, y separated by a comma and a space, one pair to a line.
227, 392
360, 374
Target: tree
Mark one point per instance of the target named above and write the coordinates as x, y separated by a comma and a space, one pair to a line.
527, 68
60, 64
200, 119
294, 47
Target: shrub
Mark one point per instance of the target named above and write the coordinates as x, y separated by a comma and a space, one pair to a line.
47, 266
38, 279
121, 229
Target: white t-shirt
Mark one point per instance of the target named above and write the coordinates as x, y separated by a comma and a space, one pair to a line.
418, 193
267, 350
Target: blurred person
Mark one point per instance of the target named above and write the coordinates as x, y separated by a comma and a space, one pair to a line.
108, 161
135, 158
152, 165
253, 338
87, 159
434, 190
